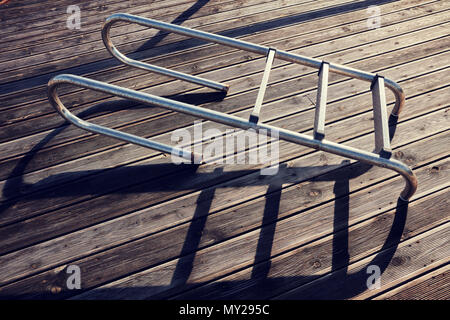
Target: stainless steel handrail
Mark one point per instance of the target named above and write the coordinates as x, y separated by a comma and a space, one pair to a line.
230, 42
381, 160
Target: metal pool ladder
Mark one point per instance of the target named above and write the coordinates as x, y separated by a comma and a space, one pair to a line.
380, 157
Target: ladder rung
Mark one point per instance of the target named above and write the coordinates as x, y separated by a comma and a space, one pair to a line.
254, 117
381, 124
321, 102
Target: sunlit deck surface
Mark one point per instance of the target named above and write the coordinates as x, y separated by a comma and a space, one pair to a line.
140, 227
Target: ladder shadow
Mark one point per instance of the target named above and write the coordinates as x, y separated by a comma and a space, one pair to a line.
185, 15
337, 284
345, 285
263, 254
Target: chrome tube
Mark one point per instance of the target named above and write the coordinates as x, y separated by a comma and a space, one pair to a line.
94, 128
230, 120
145, 66
230, 42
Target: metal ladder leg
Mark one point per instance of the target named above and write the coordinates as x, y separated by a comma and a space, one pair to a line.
382, 140
145, 66
381, 124
254, 117
321, 102
116, 134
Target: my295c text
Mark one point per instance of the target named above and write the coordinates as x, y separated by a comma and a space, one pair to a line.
226, 309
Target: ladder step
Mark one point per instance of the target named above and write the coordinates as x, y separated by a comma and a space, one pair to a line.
321, 102
254, 117
381, 124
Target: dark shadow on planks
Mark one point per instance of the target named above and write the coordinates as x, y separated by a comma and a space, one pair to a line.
340, 285
14, 187
349, 284
42, 79
178, 20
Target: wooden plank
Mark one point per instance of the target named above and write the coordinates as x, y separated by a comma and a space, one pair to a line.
304, 264
20, 7
227, 20
123, 70
20, 237
213, 235
79, 146
423, 252
92, 23
433, 180
21, 234
299, 123
318, 24
433, 285
160, 52
297, 266
156, 52
50, 15
10, 17
353, 102
15, 211
185, 8
38, 140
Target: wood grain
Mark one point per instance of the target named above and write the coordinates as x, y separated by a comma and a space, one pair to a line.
140, 227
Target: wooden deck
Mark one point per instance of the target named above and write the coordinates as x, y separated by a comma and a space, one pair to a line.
141, 227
